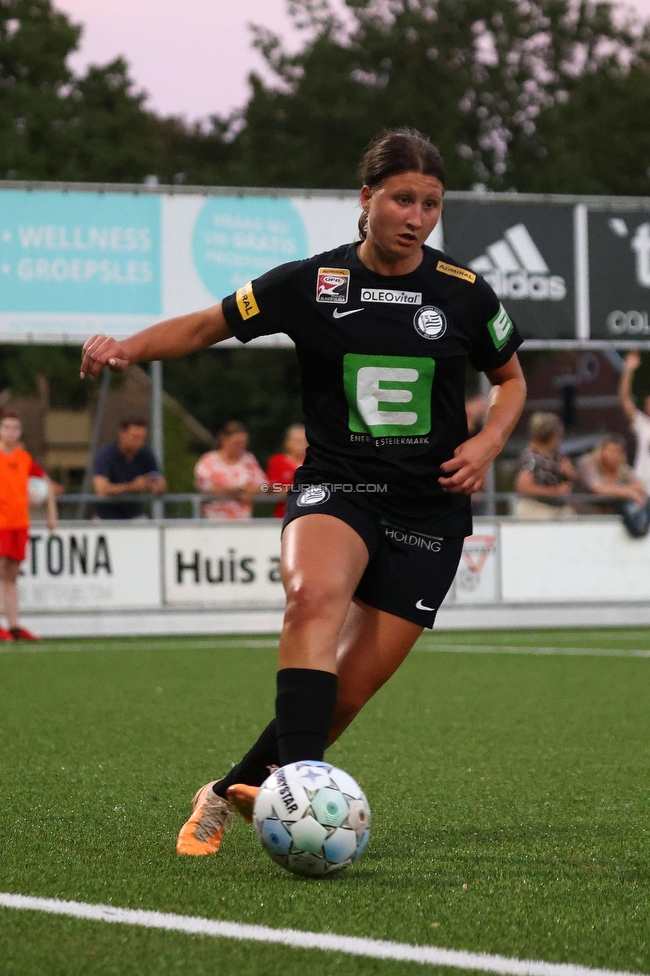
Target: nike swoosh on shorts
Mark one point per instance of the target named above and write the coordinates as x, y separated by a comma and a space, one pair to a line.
420, 606
341, 315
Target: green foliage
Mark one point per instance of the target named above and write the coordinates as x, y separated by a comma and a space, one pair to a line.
515, 94
539, 95
181, 453
56, 126
20, 367
260, 387
597, 142
35, 42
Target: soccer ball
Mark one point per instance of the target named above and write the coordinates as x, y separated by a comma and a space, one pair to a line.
312, 818
37, 491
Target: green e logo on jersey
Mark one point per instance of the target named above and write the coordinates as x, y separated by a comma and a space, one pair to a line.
500, 327
388, 395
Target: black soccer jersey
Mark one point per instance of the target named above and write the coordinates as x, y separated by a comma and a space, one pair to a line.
382, 361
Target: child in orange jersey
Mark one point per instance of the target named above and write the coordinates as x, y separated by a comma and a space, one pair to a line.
16, 468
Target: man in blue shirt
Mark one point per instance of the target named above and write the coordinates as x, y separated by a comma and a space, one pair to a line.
126, 467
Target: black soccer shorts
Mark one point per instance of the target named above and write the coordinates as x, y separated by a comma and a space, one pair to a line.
408, 573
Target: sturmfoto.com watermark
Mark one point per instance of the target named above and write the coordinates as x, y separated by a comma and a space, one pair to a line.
276, 487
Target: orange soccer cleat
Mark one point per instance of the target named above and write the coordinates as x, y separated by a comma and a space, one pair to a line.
5, 635
203, 832
242, 797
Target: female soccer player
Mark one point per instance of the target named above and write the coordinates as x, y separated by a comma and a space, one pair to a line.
375, 522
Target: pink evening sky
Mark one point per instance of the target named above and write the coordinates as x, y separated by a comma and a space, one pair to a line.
193, 57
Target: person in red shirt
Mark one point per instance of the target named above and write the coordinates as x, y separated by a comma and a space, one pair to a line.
282, 467
16, 468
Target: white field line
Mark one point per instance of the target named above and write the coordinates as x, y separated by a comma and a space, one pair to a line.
350, 945
426, 646
531, 649
108, 644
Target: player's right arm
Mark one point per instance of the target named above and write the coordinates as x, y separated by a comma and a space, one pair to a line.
632, 363
166, 340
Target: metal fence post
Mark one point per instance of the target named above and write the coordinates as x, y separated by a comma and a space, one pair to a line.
157, 427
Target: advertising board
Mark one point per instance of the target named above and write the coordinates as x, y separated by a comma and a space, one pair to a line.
619, 259
93, 578
591, 562
91, 568
223, 566
526, 253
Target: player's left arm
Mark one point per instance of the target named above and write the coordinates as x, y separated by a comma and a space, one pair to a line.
465, 472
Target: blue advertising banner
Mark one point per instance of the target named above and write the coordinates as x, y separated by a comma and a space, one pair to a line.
73, 253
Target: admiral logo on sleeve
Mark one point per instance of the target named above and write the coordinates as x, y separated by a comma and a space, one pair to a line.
451, 269
500, 327
333, 285
246, 303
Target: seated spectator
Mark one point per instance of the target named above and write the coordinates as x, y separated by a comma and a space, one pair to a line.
232, 471
126, 467
545, 475
282, 467
605, 471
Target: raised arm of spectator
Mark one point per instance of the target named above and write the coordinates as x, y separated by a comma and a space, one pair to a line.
630, 366
166, 340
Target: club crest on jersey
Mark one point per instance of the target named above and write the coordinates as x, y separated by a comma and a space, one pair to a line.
333, 285
430, 322
313, 495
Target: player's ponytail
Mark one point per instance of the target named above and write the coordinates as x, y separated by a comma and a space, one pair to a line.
397, 151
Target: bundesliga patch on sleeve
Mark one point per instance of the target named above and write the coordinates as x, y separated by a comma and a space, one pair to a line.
246, 303
500, 327
451, 269
333, 285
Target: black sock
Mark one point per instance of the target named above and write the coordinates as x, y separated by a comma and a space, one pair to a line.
254, 767
304, 710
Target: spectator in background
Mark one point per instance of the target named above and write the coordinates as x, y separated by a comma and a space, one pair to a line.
126, 467
605, 471
282, 467
639, 419
232, 471
545, 475
16, 468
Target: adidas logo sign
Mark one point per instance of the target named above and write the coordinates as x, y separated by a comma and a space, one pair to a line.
515, 268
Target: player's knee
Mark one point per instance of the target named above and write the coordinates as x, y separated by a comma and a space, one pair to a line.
310, 599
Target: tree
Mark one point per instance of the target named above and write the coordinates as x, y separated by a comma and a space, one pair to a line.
596, 142
488, 79
35, 42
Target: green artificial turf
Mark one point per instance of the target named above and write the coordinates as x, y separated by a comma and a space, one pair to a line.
509, 791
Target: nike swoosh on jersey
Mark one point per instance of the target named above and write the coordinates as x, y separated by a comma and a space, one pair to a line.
341, 315
420, 606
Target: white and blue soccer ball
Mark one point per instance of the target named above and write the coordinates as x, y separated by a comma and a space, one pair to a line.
312, 818
37, 490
